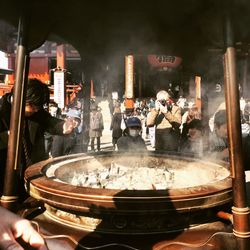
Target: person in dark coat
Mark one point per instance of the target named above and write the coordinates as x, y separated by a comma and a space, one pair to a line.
64, 144
132, 142
37, 121
116, 126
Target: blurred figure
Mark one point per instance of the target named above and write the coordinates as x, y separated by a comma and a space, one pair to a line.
115, 126
218, 140
191, 114
182, 102
246, 112
151, 129
133, 141
245, 126
96, 127
103, 88
166, 116
64, 144
55, 112
13, 227
195, 144
37, 121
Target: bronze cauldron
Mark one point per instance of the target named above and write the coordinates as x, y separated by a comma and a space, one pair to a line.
129, 210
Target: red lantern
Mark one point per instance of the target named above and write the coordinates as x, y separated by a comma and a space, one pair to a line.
164, 61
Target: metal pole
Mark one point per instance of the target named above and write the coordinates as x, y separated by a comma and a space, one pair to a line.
240, 210
10, 197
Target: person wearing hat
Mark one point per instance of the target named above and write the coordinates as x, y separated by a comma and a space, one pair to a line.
133, 141
64, 144
95, 126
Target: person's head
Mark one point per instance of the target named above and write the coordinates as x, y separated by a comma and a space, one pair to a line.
195, 129
37, 95
53, 108
134, 126
75, 115
220, 123
193, 112
162, 96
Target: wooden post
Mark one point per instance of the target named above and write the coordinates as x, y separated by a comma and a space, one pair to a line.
10, 195
129, 82
240, 210
60, 56
198, 92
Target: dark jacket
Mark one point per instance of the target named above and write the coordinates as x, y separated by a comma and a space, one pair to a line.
63, 144
116, 125
131, 144
37, 124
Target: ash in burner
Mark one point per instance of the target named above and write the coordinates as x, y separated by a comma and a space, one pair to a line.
141, 177
120, 177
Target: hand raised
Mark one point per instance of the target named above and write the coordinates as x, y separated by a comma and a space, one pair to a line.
69, 125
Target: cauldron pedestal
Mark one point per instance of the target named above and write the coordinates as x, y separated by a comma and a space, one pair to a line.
214, 235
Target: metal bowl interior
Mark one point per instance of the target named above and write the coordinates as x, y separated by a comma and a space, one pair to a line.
150, 172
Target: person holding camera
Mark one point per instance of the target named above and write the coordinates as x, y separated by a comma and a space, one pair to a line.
166, 117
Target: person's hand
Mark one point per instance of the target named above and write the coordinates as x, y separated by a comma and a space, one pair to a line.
13, 227
164, 109
69, 125
157, 105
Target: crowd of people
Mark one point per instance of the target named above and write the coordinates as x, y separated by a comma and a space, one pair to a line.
179, 127
170, 127
161, 122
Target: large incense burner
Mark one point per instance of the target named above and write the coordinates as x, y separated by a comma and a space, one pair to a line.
142, 194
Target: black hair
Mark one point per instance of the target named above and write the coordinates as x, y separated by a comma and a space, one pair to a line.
220, 118
37, 93
196, 123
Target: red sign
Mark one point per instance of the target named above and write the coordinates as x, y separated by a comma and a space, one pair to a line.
163, 61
